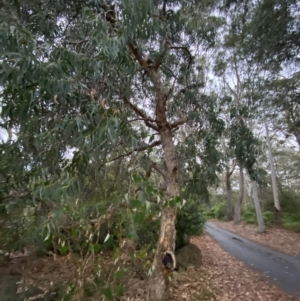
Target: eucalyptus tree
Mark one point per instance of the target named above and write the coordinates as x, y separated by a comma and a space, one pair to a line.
100, 77
266, 34
271, 33
238, 80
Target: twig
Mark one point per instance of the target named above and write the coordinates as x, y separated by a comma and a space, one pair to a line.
144, 119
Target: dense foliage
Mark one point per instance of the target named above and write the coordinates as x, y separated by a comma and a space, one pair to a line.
114, 115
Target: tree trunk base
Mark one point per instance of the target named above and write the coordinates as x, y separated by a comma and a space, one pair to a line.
158, 287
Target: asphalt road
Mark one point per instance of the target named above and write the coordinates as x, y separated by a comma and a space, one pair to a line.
282, 269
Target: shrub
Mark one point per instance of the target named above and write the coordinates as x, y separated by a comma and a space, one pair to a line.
190, 222
147, 233
249, 216
268, 218
218, 211
291, 221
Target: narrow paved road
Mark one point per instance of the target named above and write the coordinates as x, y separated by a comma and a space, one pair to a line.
282, 269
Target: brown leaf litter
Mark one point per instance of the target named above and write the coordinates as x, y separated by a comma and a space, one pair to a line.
221, 277
232, 279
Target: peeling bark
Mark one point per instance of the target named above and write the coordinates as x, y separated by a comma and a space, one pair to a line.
158, 281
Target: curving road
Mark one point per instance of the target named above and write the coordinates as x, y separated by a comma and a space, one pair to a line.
280, 268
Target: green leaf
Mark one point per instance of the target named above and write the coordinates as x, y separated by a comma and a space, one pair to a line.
94, 248
150, 189
143, 134
96, 269
139, 217
119, 274
151, 138
136, 178
120, 291
63, 250
135, 203
172, 203
107, 292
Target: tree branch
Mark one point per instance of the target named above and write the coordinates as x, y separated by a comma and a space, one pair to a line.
178, 122
164, 8
159, 170
173, 74
183, 90
141, 114
138, 56
233, 168
161, 93
137, 149
186, 49
144, 119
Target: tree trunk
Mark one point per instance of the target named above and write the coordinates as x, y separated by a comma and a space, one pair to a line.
158, 289
158, 282
229, 207
277, 209
9, 134
259, 216
238, 205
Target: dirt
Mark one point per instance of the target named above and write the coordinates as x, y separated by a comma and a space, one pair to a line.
276, 238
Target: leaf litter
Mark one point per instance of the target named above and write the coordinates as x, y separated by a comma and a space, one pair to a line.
221, 277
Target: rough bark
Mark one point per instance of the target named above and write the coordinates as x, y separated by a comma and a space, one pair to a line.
259, 216
238, 205
277, 209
